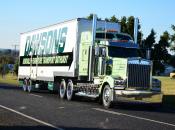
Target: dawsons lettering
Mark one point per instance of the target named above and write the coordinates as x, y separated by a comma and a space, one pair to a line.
51, 42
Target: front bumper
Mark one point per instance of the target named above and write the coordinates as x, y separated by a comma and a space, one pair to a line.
137, 95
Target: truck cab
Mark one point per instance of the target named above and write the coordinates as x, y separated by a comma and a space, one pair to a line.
120, 68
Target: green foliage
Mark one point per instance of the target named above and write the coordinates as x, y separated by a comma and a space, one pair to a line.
165, 39
130, 25
16, 67
150, 40
114, 19
90, 17
4, 60
172, 61
1, 68
107, 20
157, 59
4, 69
173, 27
127, 25
173, 38
160, 54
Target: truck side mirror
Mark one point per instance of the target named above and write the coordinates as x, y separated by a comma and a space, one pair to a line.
103, 52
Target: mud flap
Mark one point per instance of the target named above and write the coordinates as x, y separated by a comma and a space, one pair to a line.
50, 86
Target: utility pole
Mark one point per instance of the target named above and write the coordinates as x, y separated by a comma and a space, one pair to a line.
15, 47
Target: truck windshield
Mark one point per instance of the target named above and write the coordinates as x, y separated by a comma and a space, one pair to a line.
123, 52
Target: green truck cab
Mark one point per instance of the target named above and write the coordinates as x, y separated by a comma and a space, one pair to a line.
120, 70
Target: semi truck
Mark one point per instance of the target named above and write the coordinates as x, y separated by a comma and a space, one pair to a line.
89, 58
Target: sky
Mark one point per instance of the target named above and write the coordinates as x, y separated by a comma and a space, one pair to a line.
17, 16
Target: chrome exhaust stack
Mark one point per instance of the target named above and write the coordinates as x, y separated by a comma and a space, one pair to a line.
136, 23
91, 51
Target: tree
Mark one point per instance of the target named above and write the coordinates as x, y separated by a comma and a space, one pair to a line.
114, 19
107, 20
127, 26
173, 27
123, 23
150, 40
160, 53
157, 58
173, 38
130, 25
172, 61
16, 67
165, 39
90, 17
147, 44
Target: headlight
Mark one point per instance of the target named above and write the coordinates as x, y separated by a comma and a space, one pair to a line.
119, 82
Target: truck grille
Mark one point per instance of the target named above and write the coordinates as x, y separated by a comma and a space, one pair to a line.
139, 76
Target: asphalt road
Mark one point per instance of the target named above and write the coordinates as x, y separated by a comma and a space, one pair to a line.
44, 111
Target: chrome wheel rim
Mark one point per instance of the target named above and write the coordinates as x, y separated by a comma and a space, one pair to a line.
29, 88
62, 88
106, 95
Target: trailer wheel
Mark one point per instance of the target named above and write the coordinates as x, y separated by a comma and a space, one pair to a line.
24, 86
29, 86
69, 90
62, 89
106, 97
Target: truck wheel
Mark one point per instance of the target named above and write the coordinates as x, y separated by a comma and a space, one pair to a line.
69, 90
62, 89
24, 86
106, 98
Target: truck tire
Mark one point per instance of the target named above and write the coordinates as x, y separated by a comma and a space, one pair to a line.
62, 89
106, 97
24, 86
69, 90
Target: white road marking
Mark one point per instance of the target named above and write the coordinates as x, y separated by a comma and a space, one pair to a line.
36, 95
61, 107
103, 110
22, 107
31, 118
137, 117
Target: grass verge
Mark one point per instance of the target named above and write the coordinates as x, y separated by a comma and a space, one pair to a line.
9, 79
168, 90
